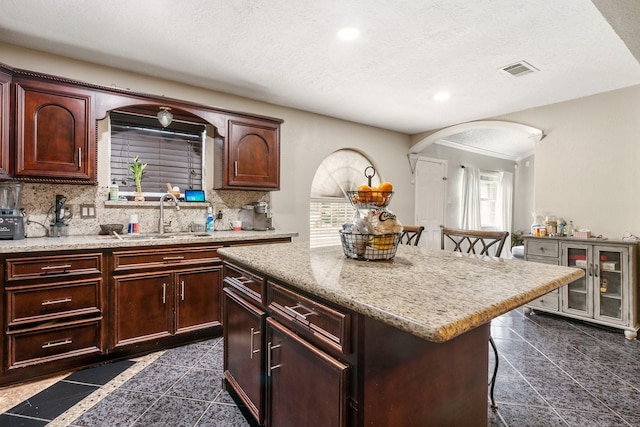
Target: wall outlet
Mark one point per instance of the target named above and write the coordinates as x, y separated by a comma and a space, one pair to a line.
87, 211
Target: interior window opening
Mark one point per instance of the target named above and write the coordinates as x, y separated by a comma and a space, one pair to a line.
329, 206
174, 155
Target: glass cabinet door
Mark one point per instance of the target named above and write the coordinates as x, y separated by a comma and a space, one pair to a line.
577, 296
609, 277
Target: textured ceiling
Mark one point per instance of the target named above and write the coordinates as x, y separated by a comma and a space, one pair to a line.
286, 52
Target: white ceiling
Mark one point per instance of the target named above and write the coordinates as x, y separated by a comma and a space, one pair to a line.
287, 53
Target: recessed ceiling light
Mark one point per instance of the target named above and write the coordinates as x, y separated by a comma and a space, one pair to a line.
441, 96
348, 33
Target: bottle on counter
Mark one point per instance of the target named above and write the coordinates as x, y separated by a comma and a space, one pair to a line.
113, 191
133, 224
210, 221
570, 229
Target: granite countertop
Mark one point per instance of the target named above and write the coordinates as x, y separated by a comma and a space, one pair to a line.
433, 294
101, 242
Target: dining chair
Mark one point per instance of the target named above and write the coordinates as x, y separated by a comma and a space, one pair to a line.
411, 234
477, 242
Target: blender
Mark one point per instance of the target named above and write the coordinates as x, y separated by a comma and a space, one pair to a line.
11, 219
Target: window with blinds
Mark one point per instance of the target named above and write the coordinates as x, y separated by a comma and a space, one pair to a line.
329, 208
173, 155
326, 219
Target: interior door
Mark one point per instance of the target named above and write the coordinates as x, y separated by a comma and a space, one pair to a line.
430, 197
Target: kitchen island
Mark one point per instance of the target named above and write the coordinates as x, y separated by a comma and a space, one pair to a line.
412, 337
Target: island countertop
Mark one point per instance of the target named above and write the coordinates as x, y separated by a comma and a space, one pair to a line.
432, 294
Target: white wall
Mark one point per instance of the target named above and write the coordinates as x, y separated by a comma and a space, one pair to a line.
587, 168
306, 138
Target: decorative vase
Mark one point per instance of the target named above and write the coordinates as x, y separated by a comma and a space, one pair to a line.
138, 196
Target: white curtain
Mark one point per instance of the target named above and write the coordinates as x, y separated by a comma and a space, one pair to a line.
505, 208
470, 219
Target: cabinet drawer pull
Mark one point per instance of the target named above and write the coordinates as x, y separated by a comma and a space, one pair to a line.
182, 290
57, 301
269, 367
252, 351
79, 157
172, 258
55, 267
164, 293
57, 343
235, 168
296, 313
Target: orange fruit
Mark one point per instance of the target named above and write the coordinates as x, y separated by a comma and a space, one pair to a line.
385, 186
364, 193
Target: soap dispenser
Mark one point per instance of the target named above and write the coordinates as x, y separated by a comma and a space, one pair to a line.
209, 226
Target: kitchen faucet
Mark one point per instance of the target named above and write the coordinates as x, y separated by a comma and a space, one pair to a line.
161, 223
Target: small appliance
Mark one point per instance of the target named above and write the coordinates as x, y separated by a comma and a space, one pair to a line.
11, 219
260, 216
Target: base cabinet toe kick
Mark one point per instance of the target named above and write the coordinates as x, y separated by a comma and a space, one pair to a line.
297, 360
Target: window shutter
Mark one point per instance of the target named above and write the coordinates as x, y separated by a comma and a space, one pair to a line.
173, 154
326, 219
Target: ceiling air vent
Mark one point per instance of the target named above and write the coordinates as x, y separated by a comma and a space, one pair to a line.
518, 69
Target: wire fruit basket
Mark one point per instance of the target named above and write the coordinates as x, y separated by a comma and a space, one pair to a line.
370, 199
369, 247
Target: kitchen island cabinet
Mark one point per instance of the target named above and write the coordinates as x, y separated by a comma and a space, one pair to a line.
403, 342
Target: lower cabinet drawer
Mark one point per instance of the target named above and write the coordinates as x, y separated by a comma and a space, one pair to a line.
44, 344
56, 300
540, 247
315, 320
548, 301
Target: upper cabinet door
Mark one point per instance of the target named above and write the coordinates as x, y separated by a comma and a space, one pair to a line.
55, 132
252, 151
5, 82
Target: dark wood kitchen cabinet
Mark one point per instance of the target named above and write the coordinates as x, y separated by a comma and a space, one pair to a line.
5, 85
55, 306
55, 133
299, 373
283, 351
249, 157
161, 293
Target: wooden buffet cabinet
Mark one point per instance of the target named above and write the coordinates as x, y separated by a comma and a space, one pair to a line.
608, 294
69, 309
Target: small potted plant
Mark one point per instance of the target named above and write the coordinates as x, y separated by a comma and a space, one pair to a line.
137, 169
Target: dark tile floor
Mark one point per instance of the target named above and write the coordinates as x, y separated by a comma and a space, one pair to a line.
553, 372
559, 372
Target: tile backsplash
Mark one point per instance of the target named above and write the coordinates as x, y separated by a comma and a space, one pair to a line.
38, 202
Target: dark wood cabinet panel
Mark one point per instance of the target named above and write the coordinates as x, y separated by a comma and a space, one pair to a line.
143, 307
306, 386
243, 351
5, 124
27, 305
49, 343
198, 298
54, 131
249, 158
